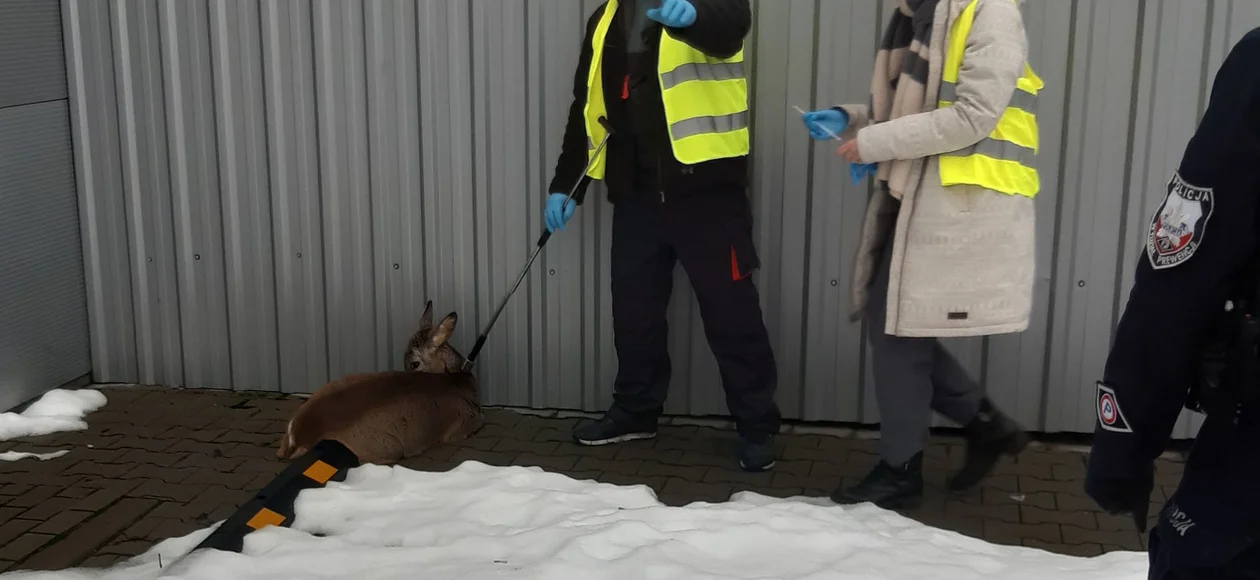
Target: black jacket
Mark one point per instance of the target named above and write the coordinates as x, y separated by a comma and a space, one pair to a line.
639, 157
1182, 282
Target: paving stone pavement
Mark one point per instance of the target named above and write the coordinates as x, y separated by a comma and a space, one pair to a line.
157, 463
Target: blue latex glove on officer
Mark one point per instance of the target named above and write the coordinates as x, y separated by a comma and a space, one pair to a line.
820, 122
828, 124
557, 213
674, 13
859, 171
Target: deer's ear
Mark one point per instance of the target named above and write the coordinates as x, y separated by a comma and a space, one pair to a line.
444, 330
426, 319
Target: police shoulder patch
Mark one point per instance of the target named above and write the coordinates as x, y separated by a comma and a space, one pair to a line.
1177, 228
1109, 414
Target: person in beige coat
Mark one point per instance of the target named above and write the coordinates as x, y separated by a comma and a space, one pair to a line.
947, 242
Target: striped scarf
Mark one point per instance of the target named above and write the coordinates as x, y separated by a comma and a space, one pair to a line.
901, 71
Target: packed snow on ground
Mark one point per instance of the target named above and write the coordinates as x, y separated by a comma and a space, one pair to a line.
16, 455
478, 521
58, 410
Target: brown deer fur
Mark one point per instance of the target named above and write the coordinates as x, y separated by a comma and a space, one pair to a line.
387, 416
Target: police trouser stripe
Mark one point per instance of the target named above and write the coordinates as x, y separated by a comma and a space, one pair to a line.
708, 125
694, 71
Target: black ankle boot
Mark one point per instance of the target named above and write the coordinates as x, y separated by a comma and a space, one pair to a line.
988, 436
886, 486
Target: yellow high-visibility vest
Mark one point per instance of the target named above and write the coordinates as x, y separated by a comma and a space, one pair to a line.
706, 100
1003, 161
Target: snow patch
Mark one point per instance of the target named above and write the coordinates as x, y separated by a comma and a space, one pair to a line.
478, 521
58, 410
16, 455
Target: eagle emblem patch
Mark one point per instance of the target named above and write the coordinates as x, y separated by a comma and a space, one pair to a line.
1177, 228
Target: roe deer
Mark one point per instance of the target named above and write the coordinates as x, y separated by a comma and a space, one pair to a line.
385, 417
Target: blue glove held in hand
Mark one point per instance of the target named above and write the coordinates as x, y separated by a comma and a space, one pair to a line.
556, 216
674, 13
819, 122
859, 171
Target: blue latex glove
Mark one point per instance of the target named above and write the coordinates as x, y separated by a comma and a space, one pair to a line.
674, 13
859, 171
819, 122
554, 216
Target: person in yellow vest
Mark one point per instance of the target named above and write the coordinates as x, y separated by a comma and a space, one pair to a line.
670, 78
947, 244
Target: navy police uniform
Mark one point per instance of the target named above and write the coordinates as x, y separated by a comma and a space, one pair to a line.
1200, 254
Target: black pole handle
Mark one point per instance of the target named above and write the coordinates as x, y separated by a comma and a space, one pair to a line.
476, 350
546, 235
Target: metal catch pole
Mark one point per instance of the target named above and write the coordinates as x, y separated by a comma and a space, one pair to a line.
542, 241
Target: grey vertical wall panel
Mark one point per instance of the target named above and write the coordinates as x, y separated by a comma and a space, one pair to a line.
297, 216
394, 129
349, 258
1093, 187
192, 148
43, 297
43, 309
147, 192
305, 175
446, 121
98, 178
241, 131
1015, 373
834, 362
501, 193
32, 61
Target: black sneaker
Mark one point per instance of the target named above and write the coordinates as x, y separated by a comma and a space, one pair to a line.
988, 436
607, 431
757, 454
886, 486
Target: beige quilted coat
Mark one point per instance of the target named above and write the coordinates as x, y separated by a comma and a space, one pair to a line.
962, 257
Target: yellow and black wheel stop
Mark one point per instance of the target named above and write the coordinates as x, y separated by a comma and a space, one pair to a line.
273, 506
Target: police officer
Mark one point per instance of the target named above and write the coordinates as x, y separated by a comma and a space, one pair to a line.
1178, 341
669, 76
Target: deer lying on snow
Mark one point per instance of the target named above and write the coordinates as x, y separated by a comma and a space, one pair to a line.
387, 416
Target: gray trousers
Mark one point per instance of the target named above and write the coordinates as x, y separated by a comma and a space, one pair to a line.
913, 377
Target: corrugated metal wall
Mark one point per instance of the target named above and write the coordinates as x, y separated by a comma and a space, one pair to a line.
43, 310
274, 188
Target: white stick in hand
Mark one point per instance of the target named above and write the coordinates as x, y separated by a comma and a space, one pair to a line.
823, 127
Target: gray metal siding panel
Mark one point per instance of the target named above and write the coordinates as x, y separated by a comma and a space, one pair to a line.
833, 363
43, 309
297, 223
1015, 373
305, 175
146, 192
1094, 190
241, 133
98, 175
189, 84
32, 64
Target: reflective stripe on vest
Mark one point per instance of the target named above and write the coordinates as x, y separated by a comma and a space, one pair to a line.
1002, 161
705, 100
